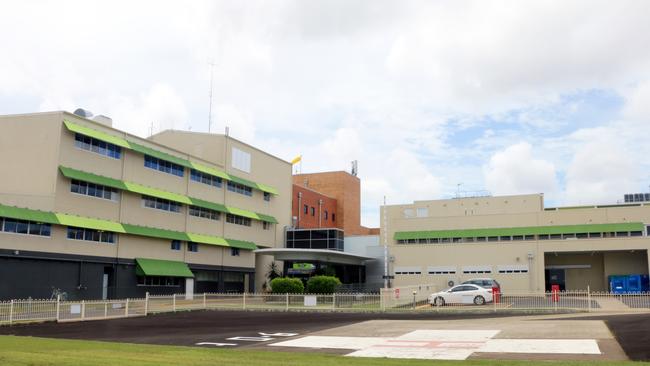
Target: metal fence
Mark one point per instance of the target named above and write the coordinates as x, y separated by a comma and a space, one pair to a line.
404, 299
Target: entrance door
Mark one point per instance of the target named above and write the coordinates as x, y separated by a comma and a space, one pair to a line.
105, 286
555, 276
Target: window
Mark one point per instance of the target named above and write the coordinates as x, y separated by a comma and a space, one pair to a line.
204, 178
76, 233
313, 211
240, 188
176, 245
192, 247
163, 166
160, 204
238, 220
325, 216
205, 213
93, 190
159, 281
97, 146
234, 252
267, 196
25, 227
305, 209
333, 217
422, 212
241, 160
266, 225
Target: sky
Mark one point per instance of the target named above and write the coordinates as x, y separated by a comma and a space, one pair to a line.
431, 97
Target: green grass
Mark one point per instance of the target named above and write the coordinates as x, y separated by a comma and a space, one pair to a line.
43, 351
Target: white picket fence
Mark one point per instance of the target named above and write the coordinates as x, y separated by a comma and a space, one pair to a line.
405, 299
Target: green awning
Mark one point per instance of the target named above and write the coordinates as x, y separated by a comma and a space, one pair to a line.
530, 230
153, 192
158, 267
97, 134
116, 227
164, 156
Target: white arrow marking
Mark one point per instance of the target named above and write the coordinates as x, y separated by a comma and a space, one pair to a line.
278, 334
216, 344
250, 339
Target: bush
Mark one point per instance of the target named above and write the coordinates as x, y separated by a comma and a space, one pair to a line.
322, 284
287, 285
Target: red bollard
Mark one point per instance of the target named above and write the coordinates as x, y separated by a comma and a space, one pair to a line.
496, 295
555, 293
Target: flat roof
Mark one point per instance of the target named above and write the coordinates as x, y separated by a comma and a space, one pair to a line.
321, 255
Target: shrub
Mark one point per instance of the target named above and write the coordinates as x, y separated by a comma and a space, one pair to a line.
287, 285
322, 284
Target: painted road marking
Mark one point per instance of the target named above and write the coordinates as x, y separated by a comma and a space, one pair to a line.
443, 344
216, 344
264, 337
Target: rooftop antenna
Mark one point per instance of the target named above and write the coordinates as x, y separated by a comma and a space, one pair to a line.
458, 189
211, 63
354, 168
151, 129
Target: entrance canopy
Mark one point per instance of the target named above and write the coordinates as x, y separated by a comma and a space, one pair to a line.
320, 255
157, 267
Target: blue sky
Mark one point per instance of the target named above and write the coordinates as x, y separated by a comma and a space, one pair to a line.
505, 96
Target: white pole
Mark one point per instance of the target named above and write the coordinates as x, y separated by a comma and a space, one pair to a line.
11, 312
58, 306
334, 301
205, 303
385, 235
83, 309
126, 308
287, 303
244, 301
588, 299
174, 302
105, 310
146, 303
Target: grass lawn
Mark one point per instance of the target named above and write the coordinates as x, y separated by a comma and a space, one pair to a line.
43, 351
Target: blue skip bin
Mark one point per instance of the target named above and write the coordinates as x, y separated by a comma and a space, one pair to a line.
629, 284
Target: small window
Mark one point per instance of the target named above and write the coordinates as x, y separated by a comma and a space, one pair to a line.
267, 196
313, 211
176, 245
305, 209
333, 217
266, 225
192, 247
325, 216
234, 252
422, 212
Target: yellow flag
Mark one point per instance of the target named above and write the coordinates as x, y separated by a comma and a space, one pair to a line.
296, 159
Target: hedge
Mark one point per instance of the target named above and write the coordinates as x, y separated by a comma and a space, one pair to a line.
287, 285
322, 284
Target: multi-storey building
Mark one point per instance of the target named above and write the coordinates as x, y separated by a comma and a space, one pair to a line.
517, 241
95, 212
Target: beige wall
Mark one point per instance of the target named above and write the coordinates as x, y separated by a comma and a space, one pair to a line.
28, 156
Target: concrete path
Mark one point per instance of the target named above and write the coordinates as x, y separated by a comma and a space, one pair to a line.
611, 304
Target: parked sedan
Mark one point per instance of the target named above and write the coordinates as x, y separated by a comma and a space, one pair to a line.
462, 294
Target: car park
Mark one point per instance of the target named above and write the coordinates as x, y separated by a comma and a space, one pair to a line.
462, 294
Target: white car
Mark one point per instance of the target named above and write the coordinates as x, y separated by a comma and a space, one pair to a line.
462, 294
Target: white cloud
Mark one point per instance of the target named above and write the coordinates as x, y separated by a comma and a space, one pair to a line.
377, 81
515, 171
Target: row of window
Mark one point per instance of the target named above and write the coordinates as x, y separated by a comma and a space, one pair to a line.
97, 146
241, 189
114, 151
163, 166
161, 204
159, 281
238, 220
204, 178
306, 208
77, 233
94, 190
204, 213
194, 247
25, 227
522, 237
504, 271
